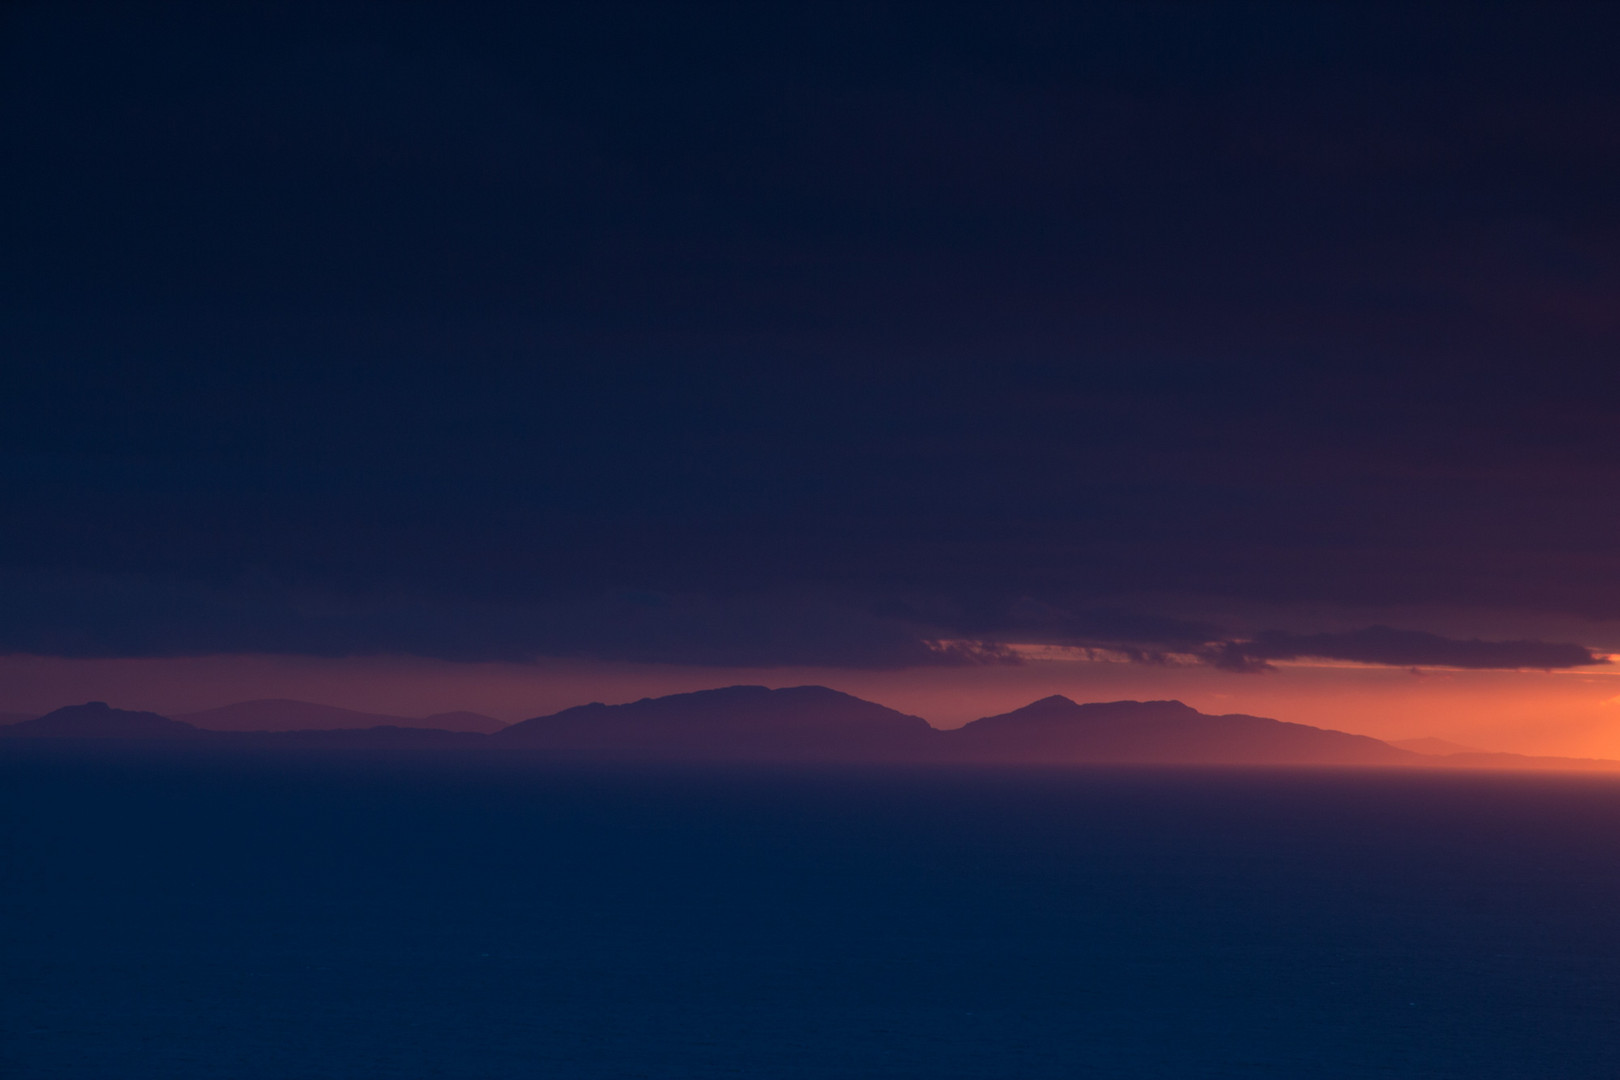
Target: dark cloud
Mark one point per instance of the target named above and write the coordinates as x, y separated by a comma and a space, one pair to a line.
131, 615
1397, 648
1028, 619
94, 615
828, 332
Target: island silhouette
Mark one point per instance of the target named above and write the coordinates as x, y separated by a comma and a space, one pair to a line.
809, 724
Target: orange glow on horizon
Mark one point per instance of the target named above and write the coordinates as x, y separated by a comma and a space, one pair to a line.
1572, 713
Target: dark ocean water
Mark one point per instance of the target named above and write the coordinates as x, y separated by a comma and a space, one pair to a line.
397, 916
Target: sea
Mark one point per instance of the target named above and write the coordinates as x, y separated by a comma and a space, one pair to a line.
183, 914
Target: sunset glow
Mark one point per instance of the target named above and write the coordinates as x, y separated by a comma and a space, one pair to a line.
1530, 712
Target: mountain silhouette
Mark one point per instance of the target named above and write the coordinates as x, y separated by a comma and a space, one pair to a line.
459, 721
98, 720
282, 714
801, 722
816, 723
381, 736
1057, 730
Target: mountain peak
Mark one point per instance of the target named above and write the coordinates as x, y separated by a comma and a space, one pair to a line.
1056, 729
729, 721
1058, 707
98, 720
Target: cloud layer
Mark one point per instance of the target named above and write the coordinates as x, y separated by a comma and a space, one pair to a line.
126, 615
1396, 648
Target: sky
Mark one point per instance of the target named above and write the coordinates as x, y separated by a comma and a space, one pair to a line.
507, 356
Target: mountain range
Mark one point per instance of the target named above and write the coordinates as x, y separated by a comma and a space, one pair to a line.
795, 724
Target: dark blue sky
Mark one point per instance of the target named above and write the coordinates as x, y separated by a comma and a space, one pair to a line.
765, 334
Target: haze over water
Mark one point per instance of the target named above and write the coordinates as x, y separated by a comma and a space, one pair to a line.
190, 915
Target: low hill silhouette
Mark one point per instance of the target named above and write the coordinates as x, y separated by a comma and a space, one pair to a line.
1056, 730
98, 720
1485, 759
381, 736
801, 722
1433, 746
460, 720
283, 714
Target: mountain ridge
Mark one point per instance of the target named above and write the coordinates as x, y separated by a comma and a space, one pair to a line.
726, 722
1058, 729
819, 724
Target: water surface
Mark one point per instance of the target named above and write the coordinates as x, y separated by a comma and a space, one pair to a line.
183, 915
